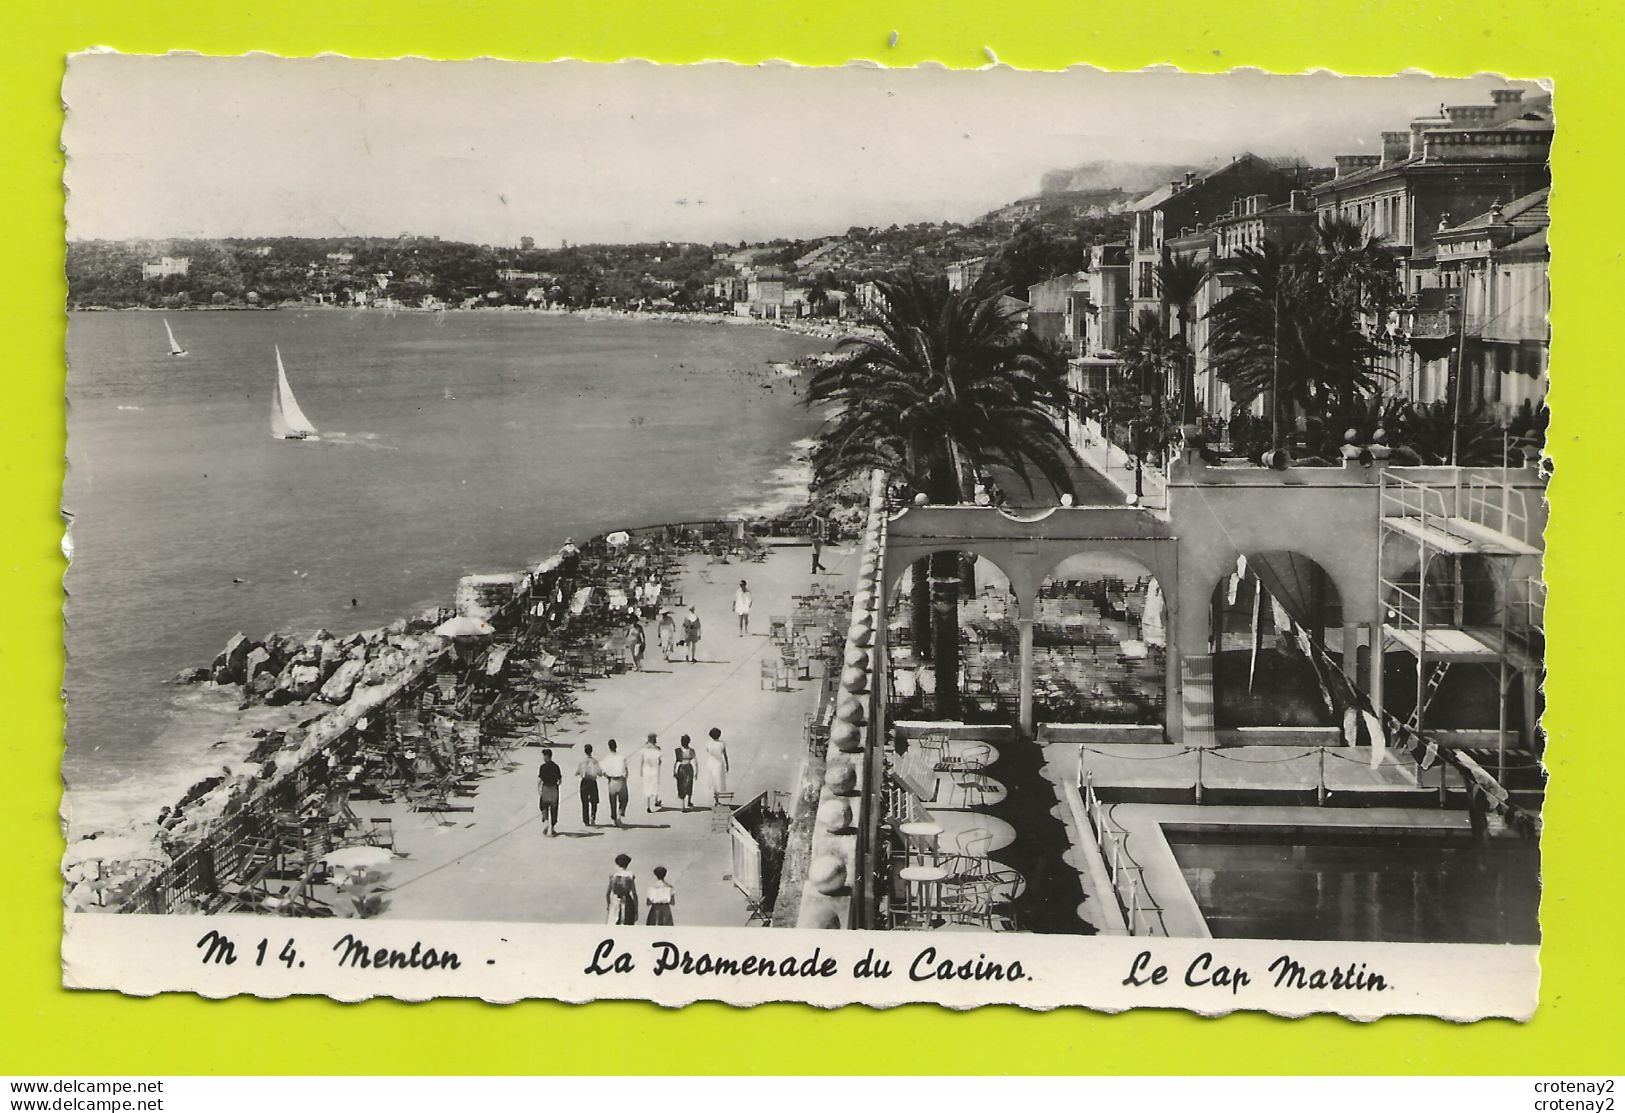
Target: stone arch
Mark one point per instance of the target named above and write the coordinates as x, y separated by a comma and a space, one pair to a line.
1275, 630
987, 608
1101, 634
901, 558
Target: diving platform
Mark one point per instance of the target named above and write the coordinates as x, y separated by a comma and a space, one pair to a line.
1459, 536
1457, 645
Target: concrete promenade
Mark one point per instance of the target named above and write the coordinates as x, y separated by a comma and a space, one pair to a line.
494, 863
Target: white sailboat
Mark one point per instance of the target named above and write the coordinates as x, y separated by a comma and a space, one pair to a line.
288, 421
175, 348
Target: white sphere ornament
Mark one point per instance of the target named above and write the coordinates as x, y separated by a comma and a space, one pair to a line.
841, 778
846, 738
835, 815
849, 709
827, 874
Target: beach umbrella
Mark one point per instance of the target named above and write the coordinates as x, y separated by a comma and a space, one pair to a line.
618, 538
463, 626
112, 848
359, 857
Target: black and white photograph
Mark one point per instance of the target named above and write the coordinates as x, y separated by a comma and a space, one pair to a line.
842, 535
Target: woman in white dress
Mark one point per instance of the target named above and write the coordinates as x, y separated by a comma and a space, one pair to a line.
650, 759
716, 765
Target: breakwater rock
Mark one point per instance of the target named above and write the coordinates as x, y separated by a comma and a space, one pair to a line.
282, 669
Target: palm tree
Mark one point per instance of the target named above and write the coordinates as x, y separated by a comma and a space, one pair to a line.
1179, 280
1286, 334
1151, 358
1359, 270
952, 386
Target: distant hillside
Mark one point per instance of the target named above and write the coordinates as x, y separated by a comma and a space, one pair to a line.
1062, 207
1137, 178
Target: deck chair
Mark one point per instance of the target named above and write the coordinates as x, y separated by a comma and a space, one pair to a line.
770, 674
249, 891
298, 899
817, 739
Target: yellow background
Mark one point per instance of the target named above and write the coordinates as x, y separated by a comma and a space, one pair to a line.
1576, 43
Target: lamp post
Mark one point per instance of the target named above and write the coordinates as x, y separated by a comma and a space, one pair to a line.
1136, 433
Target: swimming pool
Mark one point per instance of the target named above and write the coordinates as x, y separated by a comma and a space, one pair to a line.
1399, 885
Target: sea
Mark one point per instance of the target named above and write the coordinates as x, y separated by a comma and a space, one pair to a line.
450, 443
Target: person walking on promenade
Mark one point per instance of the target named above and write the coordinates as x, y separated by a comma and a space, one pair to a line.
742, 602
650, 759
614, 769
666, 633
716, 765
662, 899
817, 550
588, 773
621, 898
636, 643
683, 766
548, 778
691, 633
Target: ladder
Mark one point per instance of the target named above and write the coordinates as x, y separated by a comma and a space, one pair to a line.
1429, 690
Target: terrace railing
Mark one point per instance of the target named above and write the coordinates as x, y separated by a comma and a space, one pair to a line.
1141, 914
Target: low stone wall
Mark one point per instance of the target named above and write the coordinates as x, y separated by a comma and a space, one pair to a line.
832, 892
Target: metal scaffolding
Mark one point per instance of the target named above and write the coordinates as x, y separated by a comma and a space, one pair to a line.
1473, 520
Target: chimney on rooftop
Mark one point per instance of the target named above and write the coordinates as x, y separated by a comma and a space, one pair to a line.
1469, 115
1190, 178
1353, 164
1298, 201
1506, 96
1173, 186
1396, 146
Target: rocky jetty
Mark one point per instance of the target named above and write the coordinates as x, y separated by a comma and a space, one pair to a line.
282, 669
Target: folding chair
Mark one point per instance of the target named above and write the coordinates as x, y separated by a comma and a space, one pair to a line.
722, 810
380, 831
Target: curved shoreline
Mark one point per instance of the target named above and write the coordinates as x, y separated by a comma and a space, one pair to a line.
823, 328
135, 741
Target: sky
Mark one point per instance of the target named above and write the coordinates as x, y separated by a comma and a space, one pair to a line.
486, 151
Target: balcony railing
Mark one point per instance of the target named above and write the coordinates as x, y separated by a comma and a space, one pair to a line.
1433, 324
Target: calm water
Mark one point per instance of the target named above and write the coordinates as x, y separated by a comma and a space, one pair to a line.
451, 443
1400, 888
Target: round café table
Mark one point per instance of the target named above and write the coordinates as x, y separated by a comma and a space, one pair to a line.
922, 889
920, 838
973, 832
